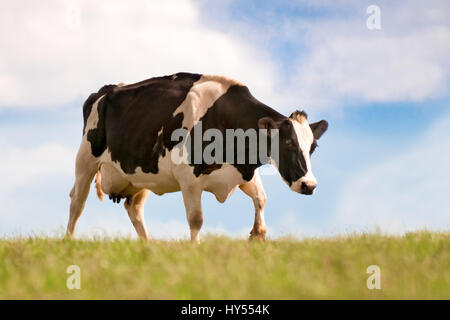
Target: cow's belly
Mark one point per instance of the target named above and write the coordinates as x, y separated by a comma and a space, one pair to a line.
222, 182
159, 183
117, 182
114, 182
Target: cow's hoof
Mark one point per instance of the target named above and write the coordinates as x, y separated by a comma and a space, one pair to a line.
258, 236
67, 237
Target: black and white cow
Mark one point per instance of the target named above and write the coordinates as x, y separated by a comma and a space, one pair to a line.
127, 141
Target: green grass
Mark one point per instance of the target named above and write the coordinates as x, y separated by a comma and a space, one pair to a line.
414, 266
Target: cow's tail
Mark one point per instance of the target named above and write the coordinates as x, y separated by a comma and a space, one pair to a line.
98, 185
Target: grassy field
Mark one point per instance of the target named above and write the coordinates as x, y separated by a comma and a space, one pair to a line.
416, 265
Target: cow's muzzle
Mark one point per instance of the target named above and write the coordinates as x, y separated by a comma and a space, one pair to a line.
308, 187
304, 186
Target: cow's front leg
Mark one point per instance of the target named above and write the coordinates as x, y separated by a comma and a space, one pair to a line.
192, 201
254, 189
135, 209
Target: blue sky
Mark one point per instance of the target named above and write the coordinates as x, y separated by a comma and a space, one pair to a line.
384, 163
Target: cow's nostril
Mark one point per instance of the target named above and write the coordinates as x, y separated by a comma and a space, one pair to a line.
304, 186
308, 187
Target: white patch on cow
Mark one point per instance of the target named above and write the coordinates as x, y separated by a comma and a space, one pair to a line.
201, 97
121, 183
92, 120
305, 139
222, 182
159, 183
113, 181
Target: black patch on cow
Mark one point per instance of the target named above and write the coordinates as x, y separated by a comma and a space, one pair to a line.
97, 136
158, 151
87, 106
130, 118
313, 147
236, 109
318, 128
175, 123
206, 168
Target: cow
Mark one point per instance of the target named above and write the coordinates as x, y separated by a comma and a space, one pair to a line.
128, 144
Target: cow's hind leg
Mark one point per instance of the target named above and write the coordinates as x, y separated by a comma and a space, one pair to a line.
254, 189
192, 201
85, 168
135, 209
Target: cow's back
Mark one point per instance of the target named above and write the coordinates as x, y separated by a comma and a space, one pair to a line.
136, 121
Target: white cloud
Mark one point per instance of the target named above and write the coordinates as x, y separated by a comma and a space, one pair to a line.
57, 51
406, 60
20, 165
409, 191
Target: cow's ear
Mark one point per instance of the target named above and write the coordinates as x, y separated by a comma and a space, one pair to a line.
318, 128
267, 123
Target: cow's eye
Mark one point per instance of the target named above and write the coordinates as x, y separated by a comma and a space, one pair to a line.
290, 144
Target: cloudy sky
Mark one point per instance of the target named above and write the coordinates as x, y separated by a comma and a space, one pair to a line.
383, 165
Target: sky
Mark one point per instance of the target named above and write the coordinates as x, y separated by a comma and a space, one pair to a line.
383, 165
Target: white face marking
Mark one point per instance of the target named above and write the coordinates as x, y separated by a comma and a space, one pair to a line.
305, 138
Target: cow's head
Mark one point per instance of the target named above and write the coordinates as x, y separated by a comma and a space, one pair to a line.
297, 141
